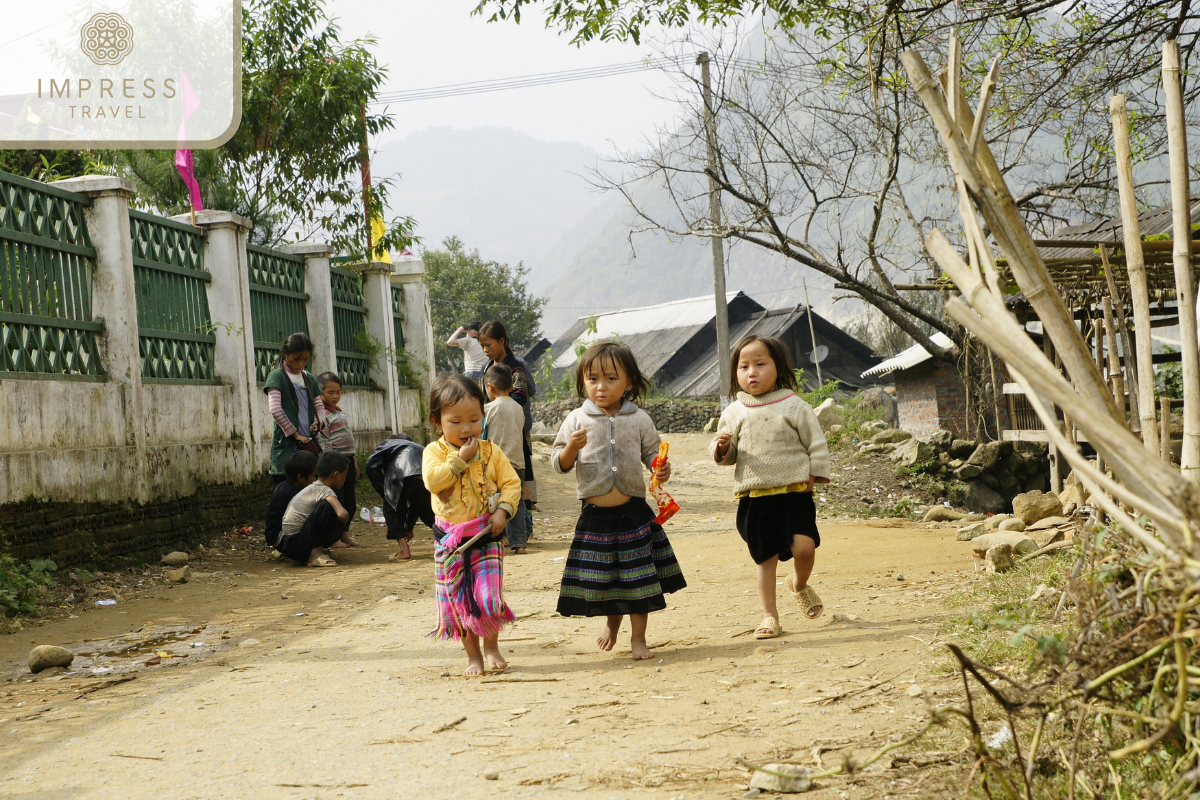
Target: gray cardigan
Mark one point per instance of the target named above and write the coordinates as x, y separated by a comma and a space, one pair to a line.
617, 448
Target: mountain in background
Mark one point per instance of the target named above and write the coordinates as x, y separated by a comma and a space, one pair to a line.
518, 199
501, 191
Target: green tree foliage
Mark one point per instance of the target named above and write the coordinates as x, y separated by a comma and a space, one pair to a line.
463, 287
294, 165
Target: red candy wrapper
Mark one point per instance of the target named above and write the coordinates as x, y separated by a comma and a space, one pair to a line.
666, 504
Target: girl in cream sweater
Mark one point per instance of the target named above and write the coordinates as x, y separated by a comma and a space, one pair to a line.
777, 448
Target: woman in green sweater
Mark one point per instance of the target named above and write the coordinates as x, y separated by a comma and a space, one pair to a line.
295, 402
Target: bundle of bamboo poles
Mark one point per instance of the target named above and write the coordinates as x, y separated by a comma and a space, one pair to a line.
1146, 630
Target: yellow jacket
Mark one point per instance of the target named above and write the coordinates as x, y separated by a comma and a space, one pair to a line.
460, 489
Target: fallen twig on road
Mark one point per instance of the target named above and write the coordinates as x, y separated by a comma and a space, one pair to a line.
520, 680
105, 685
450, 725
143, 758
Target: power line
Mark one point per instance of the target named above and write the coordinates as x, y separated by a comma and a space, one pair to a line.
568, 76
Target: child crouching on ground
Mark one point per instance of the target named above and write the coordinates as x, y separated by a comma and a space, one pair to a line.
506, 429
314, 518
301, 471
474, 489
620, 561
778, 450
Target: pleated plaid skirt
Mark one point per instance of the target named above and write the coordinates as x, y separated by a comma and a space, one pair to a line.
620, 562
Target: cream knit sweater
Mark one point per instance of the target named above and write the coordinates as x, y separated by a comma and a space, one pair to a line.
776, 441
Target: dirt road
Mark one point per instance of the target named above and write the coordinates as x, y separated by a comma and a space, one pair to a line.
322, 683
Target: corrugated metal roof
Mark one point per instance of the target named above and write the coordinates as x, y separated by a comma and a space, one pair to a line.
679, 315
909, 358
1155, 221
703, 375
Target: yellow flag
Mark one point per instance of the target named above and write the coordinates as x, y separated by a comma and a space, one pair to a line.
378, 232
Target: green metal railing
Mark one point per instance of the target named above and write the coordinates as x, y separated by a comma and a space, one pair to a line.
175, 332
46, 266
277, 305
398, 316
349, 322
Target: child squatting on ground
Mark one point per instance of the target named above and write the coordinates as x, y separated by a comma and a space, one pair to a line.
300, 471
620, 560
314, 518
778, 450
506, 429
474, 490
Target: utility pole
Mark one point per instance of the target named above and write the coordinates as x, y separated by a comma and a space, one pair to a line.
366, 181
812, 334
714, 219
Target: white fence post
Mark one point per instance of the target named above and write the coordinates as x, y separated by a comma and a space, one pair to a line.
377, 298
229, 307
320, 301
114, 302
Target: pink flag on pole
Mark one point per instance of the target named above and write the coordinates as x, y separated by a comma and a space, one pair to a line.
184, 163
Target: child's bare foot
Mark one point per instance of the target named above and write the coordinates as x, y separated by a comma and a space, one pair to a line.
474, 668
608, 635
520, 551
641, 651
493, 659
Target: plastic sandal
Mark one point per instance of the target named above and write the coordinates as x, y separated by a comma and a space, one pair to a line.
807, 598
323, 561
770, 624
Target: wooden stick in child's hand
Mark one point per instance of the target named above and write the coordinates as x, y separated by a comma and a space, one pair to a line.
462, 548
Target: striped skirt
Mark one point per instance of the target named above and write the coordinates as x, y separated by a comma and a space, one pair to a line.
620, 563
469, 587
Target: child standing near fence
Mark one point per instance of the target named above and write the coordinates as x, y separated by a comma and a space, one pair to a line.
620, 561
773, 440
336, 436
474, 491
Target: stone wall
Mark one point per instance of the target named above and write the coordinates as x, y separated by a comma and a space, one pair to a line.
78, 533
670, 416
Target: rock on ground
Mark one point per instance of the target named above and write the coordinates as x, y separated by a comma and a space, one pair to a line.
968, 532
1019, 542
1035, 506
891, 436
711, 425
828, 413
912, 452
49, 655
961, 448
978, 496
1012, 524
999, 559
993, 522
876, 397
968, 471
1048, 536
1048, 522
176, 559
943, 514
789, 778
180, 575
876, 426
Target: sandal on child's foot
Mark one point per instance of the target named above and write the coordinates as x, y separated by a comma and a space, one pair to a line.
322, 561
807, 598
769, 628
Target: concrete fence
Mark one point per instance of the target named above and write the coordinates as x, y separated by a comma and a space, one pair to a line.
127, 423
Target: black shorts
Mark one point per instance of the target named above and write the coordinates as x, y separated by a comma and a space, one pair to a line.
767, 524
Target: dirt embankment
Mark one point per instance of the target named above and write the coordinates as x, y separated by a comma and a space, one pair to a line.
281, 681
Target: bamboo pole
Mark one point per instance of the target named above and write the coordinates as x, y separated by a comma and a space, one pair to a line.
1165, 444
987, 186
1185, 294
1139, 296
1129, 373
1114, 361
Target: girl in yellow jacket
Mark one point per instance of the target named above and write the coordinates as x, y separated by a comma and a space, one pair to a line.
474, 490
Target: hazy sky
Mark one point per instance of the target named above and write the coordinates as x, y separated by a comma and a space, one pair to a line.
426, 44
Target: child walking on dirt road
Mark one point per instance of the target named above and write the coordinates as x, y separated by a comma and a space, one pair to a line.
778, 450
474, 493
620, 561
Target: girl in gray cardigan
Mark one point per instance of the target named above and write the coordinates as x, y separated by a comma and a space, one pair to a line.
620, 561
